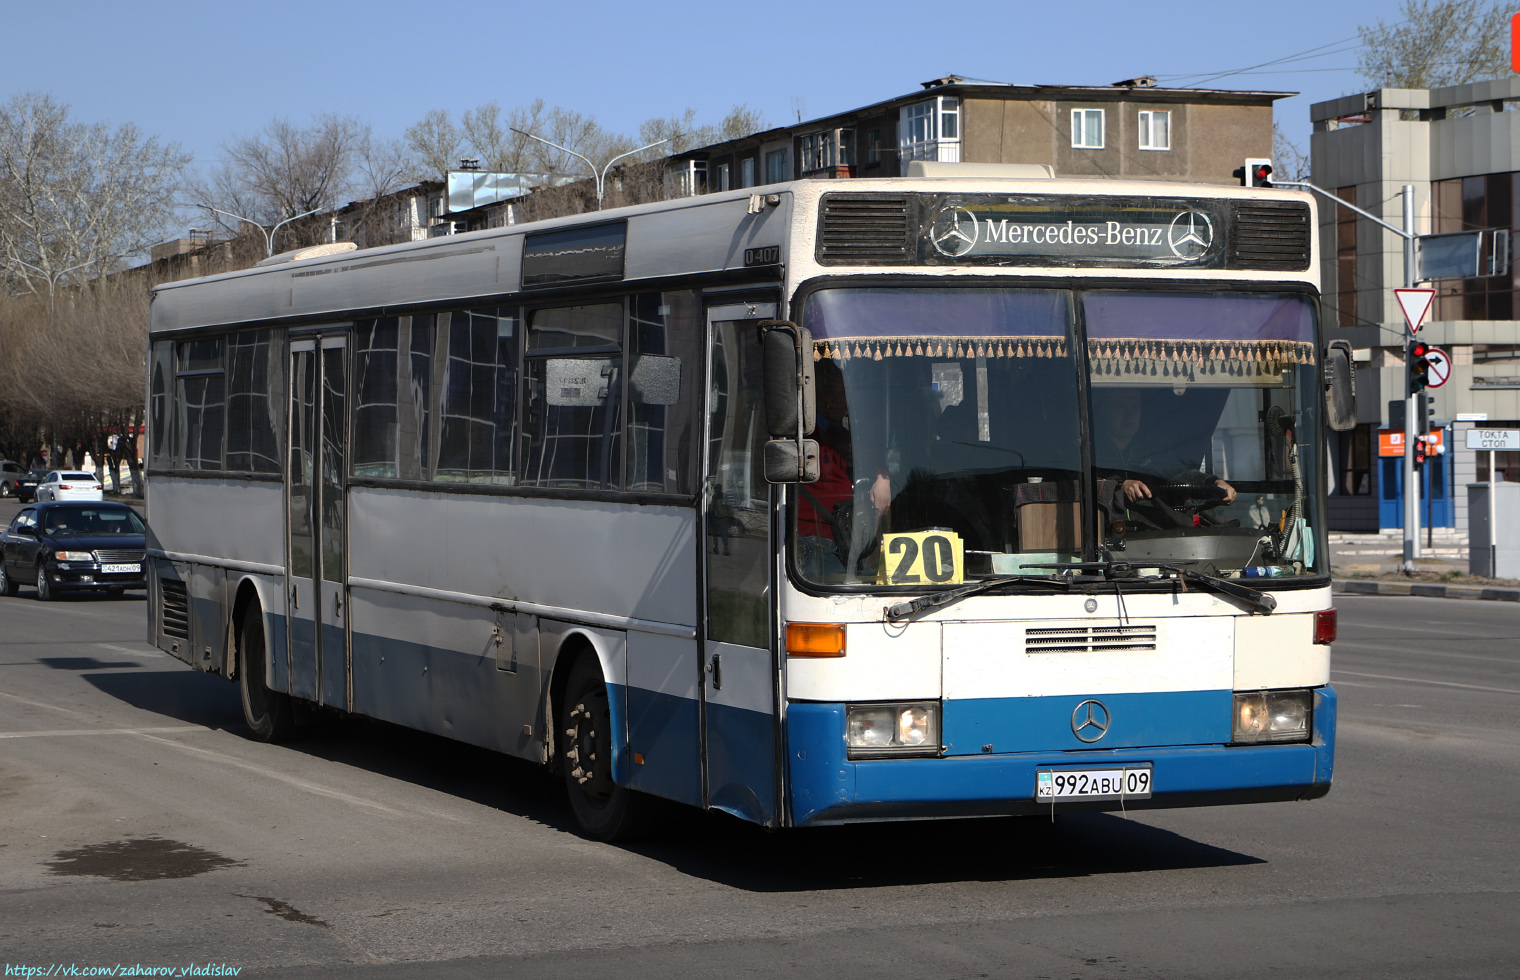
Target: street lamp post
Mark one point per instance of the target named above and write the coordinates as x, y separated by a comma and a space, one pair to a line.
599, 175
268, 233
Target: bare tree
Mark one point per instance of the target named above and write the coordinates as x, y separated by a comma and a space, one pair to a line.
287, 170
75, 195
740, 121
434, 141
1289, 162
1439, 42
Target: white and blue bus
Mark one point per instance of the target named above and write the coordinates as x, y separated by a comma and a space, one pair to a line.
814, 503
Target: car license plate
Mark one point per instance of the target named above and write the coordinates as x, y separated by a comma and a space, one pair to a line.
1130, 783
120, 569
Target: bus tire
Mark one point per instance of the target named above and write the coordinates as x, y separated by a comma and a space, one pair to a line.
604, 810
268, 713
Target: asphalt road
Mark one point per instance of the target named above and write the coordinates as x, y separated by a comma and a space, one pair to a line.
138, 825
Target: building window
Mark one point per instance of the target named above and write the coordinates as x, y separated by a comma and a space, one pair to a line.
720, 179
930, 131
1155, 130
747, 172
775, 167
1354, 462
1087, 129
685, 178
1472, 204
828, 150
1506, 464
1345, 259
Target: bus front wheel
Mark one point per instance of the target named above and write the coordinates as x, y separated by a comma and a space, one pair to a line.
604, 810
268, 713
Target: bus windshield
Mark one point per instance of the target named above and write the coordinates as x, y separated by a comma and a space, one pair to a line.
1042, 426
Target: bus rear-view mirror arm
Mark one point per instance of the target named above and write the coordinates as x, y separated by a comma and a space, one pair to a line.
790, 402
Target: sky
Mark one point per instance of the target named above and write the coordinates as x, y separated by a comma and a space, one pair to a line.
202, 73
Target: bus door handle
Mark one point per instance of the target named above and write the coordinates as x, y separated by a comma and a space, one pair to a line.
295, 597
337, 603
716, 670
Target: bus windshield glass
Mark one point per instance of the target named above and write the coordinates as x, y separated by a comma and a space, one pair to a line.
981, 431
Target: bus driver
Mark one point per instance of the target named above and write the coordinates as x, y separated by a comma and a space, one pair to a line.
1120, 455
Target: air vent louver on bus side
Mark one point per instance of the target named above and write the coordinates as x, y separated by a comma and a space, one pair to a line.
1089, 639
864, 228
174, 609
1270, 235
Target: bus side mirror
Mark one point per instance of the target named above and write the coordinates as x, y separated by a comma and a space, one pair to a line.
1340, 386
790, 402
787, 356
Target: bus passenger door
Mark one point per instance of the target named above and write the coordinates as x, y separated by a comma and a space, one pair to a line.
316, 571
739, 671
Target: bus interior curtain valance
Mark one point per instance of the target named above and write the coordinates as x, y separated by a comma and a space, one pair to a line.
1115, 355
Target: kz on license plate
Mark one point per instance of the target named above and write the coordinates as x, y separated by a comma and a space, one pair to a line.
120, 569
1132, 783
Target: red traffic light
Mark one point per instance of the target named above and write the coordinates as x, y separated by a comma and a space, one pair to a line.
1421, 448
1419, 349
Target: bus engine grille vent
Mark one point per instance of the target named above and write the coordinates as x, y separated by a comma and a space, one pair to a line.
1270, 235
864, 228
1089, 639
175, 609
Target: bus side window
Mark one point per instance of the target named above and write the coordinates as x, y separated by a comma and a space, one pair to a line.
664, 340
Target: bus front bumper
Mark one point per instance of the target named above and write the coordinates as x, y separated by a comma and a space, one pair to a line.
826, 787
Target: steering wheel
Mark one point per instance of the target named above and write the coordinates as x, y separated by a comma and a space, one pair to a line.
1191, 498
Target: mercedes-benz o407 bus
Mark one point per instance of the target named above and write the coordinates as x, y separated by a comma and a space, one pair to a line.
814, 503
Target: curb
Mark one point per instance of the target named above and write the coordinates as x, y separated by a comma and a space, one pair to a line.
1427, 590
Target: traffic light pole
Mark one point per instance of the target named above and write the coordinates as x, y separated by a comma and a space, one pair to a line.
1411, 424
1411, 273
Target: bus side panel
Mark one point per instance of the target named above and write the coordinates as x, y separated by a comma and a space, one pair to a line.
598, 557
191, 601
433, 665
664, 717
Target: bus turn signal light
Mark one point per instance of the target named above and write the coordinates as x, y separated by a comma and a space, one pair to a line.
1324, 626
814, 640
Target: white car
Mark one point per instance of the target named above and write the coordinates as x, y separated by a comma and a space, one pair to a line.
62, 485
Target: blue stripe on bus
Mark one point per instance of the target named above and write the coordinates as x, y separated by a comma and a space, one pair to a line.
664, 730
826, 787
741, 762
1045, 724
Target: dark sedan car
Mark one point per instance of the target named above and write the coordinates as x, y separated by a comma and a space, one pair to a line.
73, 547
18, 482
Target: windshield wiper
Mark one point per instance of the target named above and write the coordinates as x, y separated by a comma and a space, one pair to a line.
901, 612
1255, 597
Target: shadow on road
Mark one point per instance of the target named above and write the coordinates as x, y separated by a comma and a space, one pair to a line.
711, 846
85, 663
186, 695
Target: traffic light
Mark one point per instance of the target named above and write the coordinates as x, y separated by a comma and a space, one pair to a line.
1421, 447
1419, 368
1256, 173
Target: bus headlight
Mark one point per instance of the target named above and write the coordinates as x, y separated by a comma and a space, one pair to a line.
1272, 716
881, 730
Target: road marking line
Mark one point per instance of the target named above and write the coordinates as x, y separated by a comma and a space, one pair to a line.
1412, 680
102, 731
40, 704
303, 784
128, 650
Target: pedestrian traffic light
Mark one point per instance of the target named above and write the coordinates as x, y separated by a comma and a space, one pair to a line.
1419, 368
1421, 447
1256, 173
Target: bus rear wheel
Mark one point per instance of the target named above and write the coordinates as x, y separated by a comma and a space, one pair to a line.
268, 713
604, 810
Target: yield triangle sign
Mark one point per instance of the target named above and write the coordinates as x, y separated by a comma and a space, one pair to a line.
1415, 303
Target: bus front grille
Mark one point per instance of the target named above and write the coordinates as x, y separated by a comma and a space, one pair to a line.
174, 609
856, 228
1270, 235
1089, 639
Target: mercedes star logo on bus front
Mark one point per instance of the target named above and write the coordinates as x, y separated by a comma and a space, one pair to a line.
1089, 721
1190, 235
955, 232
